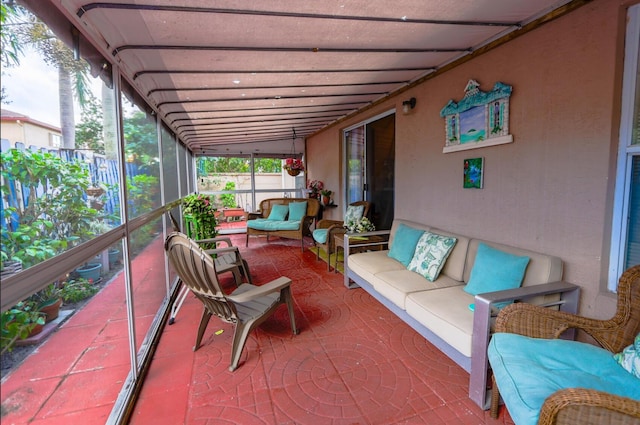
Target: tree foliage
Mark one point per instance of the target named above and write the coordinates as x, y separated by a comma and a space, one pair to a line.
216, 165
10, 45
141, 138
89, 132
53, 219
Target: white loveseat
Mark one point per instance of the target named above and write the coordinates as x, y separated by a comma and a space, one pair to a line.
441, 310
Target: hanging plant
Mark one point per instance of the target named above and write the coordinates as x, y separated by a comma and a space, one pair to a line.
293, 166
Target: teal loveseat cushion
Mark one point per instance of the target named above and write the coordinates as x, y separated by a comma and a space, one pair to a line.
320, 235
270, 225
297, 211
528, 370
278, 212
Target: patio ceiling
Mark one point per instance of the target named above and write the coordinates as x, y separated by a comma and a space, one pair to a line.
231, 77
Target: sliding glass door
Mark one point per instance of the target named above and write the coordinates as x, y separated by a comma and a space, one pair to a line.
370, 166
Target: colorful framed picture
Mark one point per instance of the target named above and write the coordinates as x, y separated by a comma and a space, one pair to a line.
473, 173
480, 119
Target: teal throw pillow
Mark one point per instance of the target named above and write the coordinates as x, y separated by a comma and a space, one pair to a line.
297, 210
629, 358
495, 270
353, 213
430, 255
278, 212
404, 243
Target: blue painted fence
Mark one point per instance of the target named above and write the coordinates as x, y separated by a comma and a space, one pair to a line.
102, 171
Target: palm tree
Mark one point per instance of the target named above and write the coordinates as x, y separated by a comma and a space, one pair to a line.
10, 48
72, 73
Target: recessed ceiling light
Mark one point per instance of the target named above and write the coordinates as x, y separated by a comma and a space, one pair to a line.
236, 81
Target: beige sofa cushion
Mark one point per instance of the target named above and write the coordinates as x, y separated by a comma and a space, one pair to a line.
446, 313
396, 285
367, 264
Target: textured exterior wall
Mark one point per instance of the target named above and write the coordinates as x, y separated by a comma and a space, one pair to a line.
549, 191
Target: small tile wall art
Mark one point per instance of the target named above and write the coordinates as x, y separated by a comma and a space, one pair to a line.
473, 173
480, 119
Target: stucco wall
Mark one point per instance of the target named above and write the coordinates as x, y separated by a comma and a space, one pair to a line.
550, 190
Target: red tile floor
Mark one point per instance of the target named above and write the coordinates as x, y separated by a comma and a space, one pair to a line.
353, 362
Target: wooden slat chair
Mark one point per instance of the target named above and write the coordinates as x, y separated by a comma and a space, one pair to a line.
246, 307
325, 231
227, 259
580, 405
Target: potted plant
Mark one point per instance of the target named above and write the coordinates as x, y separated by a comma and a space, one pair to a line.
314, 187
359, 226
90, 271
293, 166
19, 322
48, 301
200, 217
326, 196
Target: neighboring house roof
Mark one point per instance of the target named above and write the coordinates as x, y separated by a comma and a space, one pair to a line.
7, 115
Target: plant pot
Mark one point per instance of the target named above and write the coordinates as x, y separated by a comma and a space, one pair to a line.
293, 172
94, 191
51, 310
36, 330
96, 205
114, 256
326, 200
90, 271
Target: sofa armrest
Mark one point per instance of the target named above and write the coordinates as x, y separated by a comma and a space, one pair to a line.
569, 295
575, 405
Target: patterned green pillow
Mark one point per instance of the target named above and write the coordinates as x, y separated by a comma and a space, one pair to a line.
629, 358
353, 213
430, 255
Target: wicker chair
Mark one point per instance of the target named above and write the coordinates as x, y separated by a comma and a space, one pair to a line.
333, 227
246, 307
578, 405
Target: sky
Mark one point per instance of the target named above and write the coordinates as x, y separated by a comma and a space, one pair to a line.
32, 89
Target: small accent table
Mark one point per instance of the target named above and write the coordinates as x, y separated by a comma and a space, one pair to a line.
357, 244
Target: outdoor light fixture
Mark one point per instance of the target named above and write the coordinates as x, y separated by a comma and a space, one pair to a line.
408, 105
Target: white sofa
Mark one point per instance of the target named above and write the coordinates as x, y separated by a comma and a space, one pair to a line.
440, 310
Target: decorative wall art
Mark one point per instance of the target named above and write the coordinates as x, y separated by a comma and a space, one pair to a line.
473, 170
480, 119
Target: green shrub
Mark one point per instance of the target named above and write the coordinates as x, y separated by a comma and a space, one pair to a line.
77, 290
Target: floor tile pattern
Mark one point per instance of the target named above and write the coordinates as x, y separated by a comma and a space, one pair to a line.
353, 361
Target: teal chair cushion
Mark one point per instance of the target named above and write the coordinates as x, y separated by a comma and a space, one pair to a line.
320, 235
528, 370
